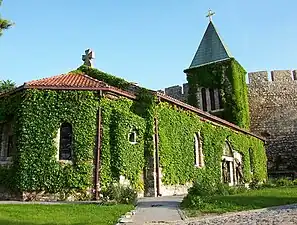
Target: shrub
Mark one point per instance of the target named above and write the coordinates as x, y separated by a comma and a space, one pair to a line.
284, 182
199, 195
119, 193
295, 182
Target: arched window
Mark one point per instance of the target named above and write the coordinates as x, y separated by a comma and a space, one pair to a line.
212, 99
199, 161
66, 139
132, 137
204, 103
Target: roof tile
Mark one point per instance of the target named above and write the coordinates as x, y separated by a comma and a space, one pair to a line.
70, 80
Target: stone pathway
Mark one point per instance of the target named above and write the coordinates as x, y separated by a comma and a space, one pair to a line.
282, 215
157, 210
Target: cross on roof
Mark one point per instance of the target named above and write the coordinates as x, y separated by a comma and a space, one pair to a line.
88, 57
210, 14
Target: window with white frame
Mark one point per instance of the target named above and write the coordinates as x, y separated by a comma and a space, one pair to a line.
199, 158
65, 142
132, 137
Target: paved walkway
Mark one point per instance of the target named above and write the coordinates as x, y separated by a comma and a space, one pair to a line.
157, 210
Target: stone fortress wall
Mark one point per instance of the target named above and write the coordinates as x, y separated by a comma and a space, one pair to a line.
273, 112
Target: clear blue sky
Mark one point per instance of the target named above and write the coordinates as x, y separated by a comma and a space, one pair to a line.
149, 42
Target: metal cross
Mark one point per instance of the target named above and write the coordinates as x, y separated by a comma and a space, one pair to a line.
88, 57
210, 14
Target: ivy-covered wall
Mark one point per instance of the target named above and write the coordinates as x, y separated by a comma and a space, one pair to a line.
176, 136
118, 155
42, 113
39, 115
10, 112
229, 77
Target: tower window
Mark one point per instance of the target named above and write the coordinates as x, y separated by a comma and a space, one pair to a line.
212, 99
199, 162
220, 99
204, 102
65, 151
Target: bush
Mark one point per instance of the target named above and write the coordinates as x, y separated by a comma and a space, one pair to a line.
199, 195
284, 182
119, 193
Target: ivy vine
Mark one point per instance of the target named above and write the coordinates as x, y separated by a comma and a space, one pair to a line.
229, 78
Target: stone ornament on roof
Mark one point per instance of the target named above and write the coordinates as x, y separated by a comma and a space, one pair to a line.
88, 57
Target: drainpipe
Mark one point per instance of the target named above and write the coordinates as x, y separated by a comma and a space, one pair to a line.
157, 157
98, 153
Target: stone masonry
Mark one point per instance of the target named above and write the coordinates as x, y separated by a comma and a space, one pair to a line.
273, 112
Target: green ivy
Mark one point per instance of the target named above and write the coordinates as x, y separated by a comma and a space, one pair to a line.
118, 155
176, 136
102, 76
229, 78
42, 113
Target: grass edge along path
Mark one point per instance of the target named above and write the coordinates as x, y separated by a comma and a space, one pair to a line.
64, 214
252, 199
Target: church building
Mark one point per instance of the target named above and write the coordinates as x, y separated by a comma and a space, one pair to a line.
70, 136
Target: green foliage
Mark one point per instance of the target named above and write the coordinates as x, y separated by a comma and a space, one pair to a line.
39, 115
4, 24
176, 137
42, 113
6, 85
284, 182
108, 78
229, 77
122, 194
203, 188
118, 121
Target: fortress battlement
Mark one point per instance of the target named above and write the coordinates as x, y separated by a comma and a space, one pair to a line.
283, 76
178, 92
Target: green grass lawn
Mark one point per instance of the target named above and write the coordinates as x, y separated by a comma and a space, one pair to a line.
65, 214
253, 199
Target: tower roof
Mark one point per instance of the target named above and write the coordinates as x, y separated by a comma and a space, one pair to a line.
211, 48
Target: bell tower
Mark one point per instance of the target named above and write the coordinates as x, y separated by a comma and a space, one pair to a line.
216, 80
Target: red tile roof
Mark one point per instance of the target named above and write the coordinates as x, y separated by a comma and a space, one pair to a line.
74, 81
70, 80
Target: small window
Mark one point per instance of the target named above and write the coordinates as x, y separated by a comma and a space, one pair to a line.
212, 99
203, 95
65, 152
132, 137
199, 161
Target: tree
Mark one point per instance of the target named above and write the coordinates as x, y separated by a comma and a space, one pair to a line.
6, 85
4, 24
